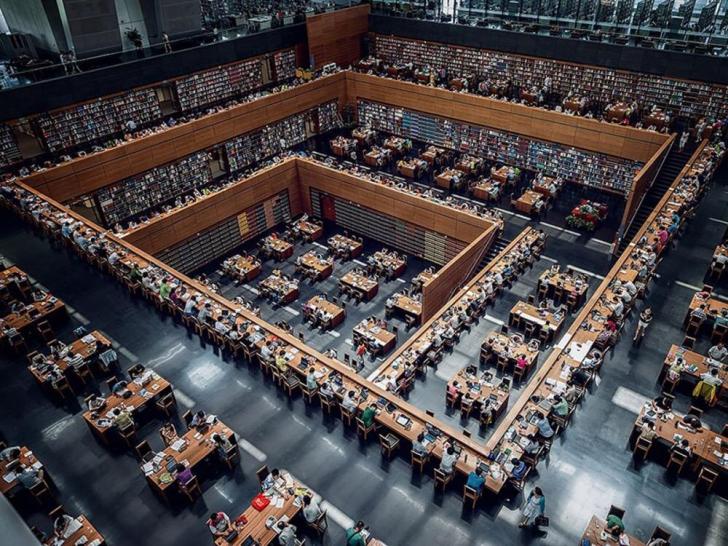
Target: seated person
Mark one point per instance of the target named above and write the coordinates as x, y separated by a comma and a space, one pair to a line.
184, 474
219, 524
168, 433
311, 509
270, 479
615, 525
449, 458
287, 535
476, 480
61, 524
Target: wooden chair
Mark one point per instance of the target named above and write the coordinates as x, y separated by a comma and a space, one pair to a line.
389, 444
719, 334
328, 403
419, 461
62, 388
128, 436
466, 407
688, 342
616, 511
231, 456
442, 479
45, 331
84, 373
30, 356
144, 451
262, 474
167, 405
502, 363
308, 394
191, 489
531, 459
694, 325
347, 416
470, 497
697, 412
531, 329
363, 430
320, 525
669, 383
40, 492
677, 462
187, 418
290, 384
706, 479
18, 344
56, 512
659, 532
642, 448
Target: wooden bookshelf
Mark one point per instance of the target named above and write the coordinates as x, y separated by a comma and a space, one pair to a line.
336, 37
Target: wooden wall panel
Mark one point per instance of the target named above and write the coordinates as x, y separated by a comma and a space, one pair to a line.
643, 182
184, 223
335, 37
579, 132
456, 272
85, 175
459, 225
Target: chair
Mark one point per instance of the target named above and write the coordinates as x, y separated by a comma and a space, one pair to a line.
388, 443
363, 429
83, 372
616, 511
128, 436
56, 512
320, 524
191, 489
40, 492
290, 384
187, 418
470, 496
466, 407
531, 329
442, 479
347, 416
144, 451
659, 532
719, 334
677, 461
18, 344
688, 342
262, 474
308, 394
419, 460
231, 456
697, 412
62, 387
328, 403
706, 479
694, 325
502, 363
167, 404
531, 459
669, 383
45, 331
642, 448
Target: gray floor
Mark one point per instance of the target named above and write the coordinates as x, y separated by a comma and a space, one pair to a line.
588, 469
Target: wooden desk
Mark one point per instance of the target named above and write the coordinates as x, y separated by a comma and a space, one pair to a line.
87, 347
481, 390
381, 339
364, 136
407, 306
321, 268
487, 189
243, 268
342, 146
198, 447
617, 112
279, 248
27, 460
385, 260
499, 344
32, 314
86, 531
361, 284
412, 168
702, 442
377, 157
318, 303
15, 281
542, 318
500, 175
424, 278
548, 186
572, 285
450, 179
713, 306
397, 145
530, 202
254, 525
345, 247
287, 290
310, 230
101, 422
596, 527
432, 154
575, 104
657, 118
469, 164
696, 365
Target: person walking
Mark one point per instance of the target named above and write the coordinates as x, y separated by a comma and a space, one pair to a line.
535, 507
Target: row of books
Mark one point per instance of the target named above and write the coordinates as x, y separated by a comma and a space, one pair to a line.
252, 147
682, 97
148, 189
329, 117
587, 168
105, 117
219, 84
9, 152
97, 119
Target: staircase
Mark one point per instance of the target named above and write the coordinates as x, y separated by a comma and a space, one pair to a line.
674, 163
499, 244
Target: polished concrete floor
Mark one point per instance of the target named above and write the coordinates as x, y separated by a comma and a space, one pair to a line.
588, 469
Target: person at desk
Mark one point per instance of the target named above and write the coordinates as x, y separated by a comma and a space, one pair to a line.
545, 431
560, 407
355, 535
222, 444
311, 383
682, 447
61, 525
418, 446
270, 479
699, 312
281, 362
311, 509
647, 431
198, 419
476, 480
718, 352
519, 469
190, 306
183, 474
10, 454
368, 415
349, 402
168, 432
707, 387
219, 524
122, 419
614, 526
31, 477
326, 390
449, 458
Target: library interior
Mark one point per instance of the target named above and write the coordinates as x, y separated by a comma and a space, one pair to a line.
471, 254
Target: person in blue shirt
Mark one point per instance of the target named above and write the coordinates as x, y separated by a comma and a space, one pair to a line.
476, 480
270, 479
519, 469
544, 427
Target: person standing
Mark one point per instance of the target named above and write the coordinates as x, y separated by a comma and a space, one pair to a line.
535, 507
166, 43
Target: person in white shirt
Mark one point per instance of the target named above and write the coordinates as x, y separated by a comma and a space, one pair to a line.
311, 509
287, 536
718, 352
711, 377
349, 401
448, 461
